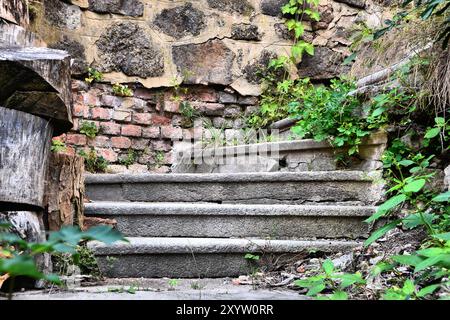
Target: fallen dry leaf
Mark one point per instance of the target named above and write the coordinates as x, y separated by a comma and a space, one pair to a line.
3, 278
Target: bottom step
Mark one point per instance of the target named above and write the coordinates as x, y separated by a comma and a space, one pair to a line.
200, 257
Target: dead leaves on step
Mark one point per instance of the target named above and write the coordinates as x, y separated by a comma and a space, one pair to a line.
4, 254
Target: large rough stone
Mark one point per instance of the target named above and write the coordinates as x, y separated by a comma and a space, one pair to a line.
245, 31
255, 71
272, 7
133, 8
203, 63
62, 15
360, 4
326, 17
126, 47
76, 51
324, 64
239, 6
181, 21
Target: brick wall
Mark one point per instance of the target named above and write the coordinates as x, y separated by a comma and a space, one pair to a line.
147, 124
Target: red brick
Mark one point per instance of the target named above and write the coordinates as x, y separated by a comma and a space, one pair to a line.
139, 144
131, 130
210, 109
151, 132
100, 141
144, 93
160, 120
111, 128
204, 94
111, 101
170, 132
172, 106
121, 142
123, 116
80, 110
101, 113
142, 118
91, 99
160, 145
76, 139
108, 154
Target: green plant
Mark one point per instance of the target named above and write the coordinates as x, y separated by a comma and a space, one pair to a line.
93, 162
159, 158
298, 10
332, 281
84, 259
89, 129
93, 76
331, 113
426, 10
131, 158
17, 255
173, 283
122, 90
58, 146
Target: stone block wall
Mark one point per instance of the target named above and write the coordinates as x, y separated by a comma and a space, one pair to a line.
215, 48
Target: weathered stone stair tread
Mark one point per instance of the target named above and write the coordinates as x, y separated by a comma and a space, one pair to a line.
284, 145
339, 175
175, 219
198, 257
255, 187
163, 245
112, 208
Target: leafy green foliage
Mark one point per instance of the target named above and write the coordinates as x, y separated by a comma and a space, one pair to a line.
298, 10
250, 256
19, 254
58, 146
330, 280
89, 129
426, 9
330, 113
93, 162
131, 157
122, 90
93, 76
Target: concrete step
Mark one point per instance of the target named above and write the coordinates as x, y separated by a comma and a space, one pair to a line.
175, 219
311, 187
200, 257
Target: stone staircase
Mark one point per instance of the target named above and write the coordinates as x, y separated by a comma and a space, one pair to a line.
203, 224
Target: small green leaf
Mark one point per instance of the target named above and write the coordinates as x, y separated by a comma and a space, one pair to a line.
318, 288
406, 163
328, 266
408, 287
414, 220
443, 197
427, 290
339, 295
414, 186
428, 263
431, 133
380, 232
385, 207
443, 236
409, 260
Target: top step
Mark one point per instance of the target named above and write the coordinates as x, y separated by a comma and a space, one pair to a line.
333, 187
284, 156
